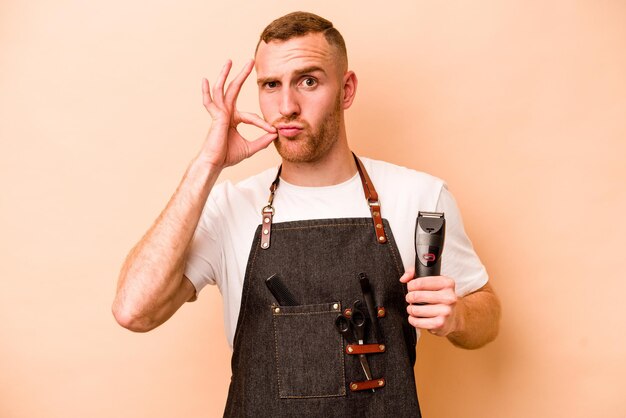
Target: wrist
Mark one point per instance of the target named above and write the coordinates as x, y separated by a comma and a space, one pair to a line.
206, 164
458, 327
203, 172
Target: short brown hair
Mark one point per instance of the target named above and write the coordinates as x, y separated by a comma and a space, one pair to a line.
297, 24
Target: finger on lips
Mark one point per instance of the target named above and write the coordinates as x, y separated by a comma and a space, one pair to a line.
261, 143
256, 120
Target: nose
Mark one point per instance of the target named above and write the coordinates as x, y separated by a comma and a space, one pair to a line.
289, 106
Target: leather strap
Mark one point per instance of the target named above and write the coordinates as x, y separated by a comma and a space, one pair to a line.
367, 384
380, 312
268, 213
368, 189
372, 200
354, 349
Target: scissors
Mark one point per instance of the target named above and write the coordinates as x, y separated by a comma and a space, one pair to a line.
353, 331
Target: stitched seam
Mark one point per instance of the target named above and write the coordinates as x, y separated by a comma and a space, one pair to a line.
276, 357
303, 313
312, 396
317, 226
342, 377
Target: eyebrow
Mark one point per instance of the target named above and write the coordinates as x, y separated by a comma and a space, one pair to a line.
297, 73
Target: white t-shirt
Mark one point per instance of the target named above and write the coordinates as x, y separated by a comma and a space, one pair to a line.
222, 241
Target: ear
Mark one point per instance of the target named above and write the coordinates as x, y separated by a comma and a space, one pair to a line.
350, 83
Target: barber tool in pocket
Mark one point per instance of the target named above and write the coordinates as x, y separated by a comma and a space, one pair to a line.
353, 328
308, 351
372, 309
282, 295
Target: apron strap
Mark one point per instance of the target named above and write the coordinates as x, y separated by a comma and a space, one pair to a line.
268, 213
372, 200
370, 194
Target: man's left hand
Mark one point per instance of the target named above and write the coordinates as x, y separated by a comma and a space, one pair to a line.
433, 303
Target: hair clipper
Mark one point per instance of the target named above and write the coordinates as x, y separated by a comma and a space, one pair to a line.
430, 232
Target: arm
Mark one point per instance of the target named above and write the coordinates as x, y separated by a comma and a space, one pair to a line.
468, 322
151, 285
478, 319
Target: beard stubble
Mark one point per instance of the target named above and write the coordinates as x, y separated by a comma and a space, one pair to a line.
311, 146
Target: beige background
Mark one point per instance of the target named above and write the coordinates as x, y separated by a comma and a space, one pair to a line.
520, 106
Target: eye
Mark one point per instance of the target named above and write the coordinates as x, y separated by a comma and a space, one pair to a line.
309, 82
271, 84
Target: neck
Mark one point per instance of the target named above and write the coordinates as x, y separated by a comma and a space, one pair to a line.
335, 167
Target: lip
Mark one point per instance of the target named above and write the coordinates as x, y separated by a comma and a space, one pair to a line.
289, 130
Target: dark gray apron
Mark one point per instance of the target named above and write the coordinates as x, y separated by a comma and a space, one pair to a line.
290, 361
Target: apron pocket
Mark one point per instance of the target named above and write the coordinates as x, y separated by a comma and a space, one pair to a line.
308, 351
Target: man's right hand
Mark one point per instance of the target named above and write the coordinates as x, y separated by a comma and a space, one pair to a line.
152, 285
224, 145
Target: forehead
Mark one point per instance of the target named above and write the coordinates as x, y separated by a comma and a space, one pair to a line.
280, 57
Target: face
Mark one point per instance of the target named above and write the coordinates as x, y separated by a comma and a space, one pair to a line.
301, 92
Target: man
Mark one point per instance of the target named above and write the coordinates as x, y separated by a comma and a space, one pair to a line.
323, 221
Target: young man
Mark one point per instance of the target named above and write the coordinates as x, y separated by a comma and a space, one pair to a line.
321, 221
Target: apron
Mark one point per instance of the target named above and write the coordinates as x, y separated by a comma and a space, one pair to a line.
291, 361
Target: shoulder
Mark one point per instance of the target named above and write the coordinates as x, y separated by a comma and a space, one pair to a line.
391, 179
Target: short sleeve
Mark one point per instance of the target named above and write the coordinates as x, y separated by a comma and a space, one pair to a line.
459, 260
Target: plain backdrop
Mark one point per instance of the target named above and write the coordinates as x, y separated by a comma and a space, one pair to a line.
519, 105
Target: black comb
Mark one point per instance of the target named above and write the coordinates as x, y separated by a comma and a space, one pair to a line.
279, 290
